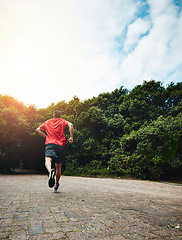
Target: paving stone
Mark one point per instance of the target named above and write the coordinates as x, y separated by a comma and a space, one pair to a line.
113, 237
35, 229
4, 235
49, 236
68, 227
18, 235
49, 223
89, 208
6, 222
60, 218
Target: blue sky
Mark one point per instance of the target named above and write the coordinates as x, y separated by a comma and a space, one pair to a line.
53, 50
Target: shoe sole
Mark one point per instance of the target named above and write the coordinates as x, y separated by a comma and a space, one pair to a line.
51, 180
55, 190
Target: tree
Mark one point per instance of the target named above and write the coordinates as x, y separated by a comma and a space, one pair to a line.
133, 133
13, 125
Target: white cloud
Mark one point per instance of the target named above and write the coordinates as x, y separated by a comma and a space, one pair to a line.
135, 30
160, 7
64, 49
50, 51
158, 54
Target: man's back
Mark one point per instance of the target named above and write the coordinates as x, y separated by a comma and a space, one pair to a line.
54, 128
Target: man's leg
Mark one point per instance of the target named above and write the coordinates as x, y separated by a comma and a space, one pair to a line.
58, 173
48, 162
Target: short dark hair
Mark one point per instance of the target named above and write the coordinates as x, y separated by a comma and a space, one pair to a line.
57, 114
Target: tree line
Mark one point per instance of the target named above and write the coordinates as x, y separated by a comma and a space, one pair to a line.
122, 133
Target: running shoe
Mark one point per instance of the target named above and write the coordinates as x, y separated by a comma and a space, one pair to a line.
56, 187
51, 180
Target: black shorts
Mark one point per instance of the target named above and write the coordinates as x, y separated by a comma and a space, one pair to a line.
56, 152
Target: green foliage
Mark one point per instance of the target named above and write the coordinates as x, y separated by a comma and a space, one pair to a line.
156, 143
124, 134
93, 168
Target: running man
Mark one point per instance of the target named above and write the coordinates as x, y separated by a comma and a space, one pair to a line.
55, 145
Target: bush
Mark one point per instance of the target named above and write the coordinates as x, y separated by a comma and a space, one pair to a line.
153, 148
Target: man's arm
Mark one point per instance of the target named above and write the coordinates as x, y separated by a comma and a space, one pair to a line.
70, 125
39, 131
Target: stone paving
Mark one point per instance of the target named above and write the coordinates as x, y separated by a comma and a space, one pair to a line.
89, 208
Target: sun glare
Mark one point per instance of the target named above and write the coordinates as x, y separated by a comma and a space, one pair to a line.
22, 67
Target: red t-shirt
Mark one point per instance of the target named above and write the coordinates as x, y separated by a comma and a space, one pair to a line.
54, 128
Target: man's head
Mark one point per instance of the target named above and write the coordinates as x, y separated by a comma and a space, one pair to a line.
57, 114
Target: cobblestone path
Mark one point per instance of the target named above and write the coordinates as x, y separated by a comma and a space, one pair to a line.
89, 208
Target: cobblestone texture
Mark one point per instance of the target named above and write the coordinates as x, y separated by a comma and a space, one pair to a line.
89, 208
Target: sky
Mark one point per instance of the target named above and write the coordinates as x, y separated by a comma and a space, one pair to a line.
53, 50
